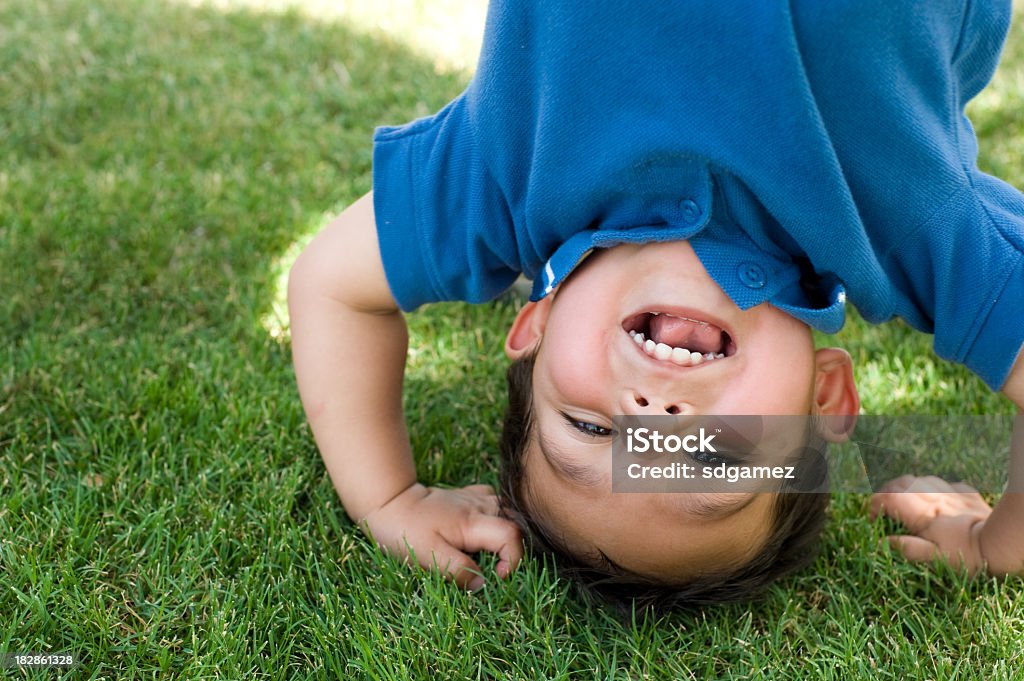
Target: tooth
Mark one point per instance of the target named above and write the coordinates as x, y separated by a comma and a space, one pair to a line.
662, 351
720, 355
696, 357
632, 333
709, 356
681, 356
649, 346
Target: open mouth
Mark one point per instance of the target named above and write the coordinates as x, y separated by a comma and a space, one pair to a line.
680, 340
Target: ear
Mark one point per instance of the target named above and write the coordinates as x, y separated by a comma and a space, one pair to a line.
528, 328
835, 394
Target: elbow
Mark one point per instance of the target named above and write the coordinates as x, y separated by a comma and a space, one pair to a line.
302, 281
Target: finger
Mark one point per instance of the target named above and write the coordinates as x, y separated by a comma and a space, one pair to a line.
899, 484
497, 535
915, 549
491, 505
963, 487
462, 569
480, 490
876, 504
482, 498
880, 502
915, 511
931, 483
488, 505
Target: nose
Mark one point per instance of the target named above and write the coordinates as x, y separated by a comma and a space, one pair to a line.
649, 404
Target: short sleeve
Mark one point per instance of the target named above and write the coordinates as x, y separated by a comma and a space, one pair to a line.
996, 252
443, 226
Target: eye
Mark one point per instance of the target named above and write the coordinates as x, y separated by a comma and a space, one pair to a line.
587, 428
709, 459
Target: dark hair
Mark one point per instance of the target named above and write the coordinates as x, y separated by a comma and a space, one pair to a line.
791, 545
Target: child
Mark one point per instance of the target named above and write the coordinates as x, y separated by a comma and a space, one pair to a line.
715, 177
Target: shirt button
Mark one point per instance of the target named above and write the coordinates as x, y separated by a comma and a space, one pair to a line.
690, 211
752, 275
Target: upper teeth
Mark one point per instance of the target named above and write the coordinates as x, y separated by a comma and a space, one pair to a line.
680, 356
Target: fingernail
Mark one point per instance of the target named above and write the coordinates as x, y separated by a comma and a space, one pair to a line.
477, 584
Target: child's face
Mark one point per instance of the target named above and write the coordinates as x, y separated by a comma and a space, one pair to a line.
589, 369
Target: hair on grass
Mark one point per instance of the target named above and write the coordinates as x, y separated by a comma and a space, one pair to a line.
791, 545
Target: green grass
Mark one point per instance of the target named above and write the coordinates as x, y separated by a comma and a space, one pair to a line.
163, 510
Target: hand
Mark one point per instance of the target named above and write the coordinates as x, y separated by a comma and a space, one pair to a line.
443, 526
945, 518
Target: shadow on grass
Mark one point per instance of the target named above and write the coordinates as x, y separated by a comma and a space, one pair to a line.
159, 162
158, 158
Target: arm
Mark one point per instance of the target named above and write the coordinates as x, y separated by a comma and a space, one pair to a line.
349, 343
952, 522
1002, 536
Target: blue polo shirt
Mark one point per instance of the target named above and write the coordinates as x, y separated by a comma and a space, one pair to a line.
808, 150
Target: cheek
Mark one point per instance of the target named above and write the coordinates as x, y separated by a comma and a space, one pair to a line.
576, 378
577, 373
778, 376
779, 387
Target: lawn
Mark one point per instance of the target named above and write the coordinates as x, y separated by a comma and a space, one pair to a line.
163, 509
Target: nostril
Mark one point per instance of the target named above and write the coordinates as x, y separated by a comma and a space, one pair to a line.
640, 400
673, 409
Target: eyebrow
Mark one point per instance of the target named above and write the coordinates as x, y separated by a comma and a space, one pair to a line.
557, 459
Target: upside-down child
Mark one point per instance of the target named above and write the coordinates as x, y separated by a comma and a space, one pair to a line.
692, 187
